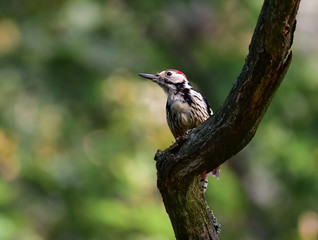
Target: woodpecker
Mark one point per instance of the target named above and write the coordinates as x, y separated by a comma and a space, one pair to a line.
185, 108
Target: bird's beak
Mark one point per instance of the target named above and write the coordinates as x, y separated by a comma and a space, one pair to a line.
149, 76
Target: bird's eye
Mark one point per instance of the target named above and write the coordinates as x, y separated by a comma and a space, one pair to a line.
169, 74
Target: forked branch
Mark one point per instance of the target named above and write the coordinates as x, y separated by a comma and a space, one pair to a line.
232, 127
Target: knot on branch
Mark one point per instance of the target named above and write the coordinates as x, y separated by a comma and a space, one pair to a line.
159, 153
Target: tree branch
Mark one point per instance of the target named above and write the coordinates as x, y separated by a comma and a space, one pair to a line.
232, 127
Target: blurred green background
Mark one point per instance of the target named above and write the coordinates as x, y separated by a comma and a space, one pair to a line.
79, 128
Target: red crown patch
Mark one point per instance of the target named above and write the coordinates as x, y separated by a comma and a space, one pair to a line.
179, 72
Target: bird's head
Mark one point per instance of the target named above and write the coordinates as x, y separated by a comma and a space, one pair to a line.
170, 80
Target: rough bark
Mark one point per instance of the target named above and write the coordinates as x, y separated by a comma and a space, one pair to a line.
231, 128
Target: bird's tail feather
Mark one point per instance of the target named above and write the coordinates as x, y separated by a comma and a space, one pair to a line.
204, 178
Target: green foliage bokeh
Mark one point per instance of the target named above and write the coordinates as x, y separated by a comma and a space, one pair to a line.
79, 129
